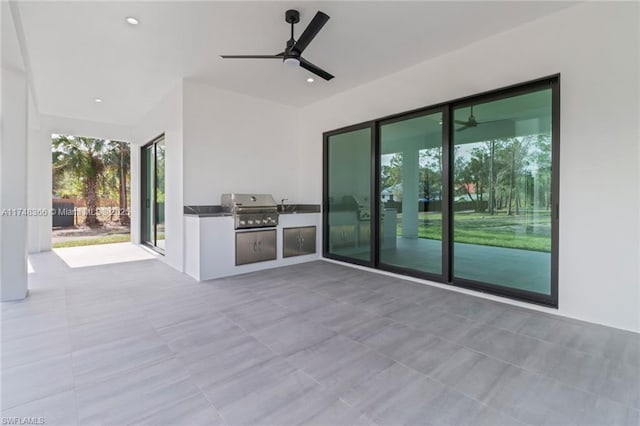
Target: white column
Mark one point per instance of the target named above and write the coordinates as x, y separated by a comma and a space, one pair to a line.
410, 193
13, 186
39, 182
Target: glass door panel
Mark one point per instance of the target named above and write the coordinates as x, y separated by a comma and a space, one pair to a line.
502, 206
147, 194
159, 197
349, 195
411, 166
152, 194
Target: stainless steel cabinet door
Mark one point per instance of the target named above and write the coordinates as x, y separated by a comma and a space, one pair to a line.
255, 246
290, 242
299, 241
308, 240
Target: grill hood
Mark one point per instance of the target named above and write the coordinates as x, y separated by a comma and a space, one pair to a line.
237, 202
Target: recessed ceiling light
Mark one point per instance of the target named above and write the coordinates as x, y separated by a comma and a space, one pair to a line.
310, 80
98, 100
132, 20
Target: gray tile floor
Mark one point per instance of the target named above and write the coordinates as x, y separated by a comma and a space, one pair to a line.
515, 268
318, 343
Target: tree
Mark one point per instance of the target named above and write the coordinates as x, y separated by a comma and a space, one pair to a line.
431, 173
117, 157
476, 171
91, 169
542, 160
513, 155
460, 166
391, 174
82, 157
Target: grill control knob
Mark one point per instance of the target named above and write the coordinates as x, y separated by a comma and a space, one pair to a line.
250, 222
242, 222
265, 221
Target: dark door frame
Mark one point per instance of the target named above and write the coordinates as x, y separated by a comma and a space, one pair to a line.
144, 176
325, 195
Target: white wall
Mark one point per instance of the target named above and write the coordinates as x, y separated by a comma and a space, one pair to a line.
13, 185
91, 129
165, 118
595, 47
216, 141
13, 163
39, 182
237, 143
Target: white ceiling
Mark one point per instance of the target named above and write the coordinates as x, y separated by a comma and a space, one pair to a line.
82, 50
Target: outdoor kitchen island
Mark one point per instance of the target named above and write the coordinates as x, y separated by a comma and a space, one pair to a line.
213, 242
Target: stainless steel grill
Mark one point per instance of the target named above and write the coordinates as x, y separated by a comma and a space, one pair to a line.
361, 205
251, 210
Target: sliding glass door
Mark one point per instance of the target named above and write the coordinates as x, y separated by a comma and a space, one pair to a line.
152, 194
502, 177
464, 193
411, 198
347, 188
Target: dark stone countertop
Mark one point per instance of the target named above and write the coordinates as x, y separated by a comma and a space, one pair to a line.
298, 208
205, 211
216, 211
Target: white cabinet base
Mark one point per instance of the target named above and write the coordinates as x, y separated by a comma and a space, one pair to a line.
210, 245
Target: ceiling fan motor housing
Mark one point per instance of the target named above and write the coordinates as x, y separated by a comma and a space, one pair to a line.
292, 16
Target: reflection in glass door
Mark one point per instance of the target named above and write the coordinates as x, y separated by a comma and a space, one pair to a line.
502, 186
465, 192
348, 195
159, 195
411, 167
152, 194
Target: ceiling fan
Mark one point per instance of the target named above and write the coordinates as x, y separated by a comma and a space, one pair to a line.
292, 54
471, 122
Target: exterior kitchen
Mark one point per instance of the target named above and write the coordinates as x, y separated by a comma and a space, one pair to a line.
248, 232
219, 142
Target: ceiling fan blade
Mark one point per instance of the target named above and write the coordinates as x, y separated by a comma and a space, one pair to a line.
460, 122
314, 69
311, 31
463, 128
492, 121
279, 56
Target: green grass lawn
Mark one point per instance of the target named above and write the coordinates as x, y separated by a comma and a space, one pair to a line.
105, 239
527, 232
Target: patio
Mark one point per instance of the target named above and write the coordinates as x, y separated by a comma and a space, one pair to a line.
317, 343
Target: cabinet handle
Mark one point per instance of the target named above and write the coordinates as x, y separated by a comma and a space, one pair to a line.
255, 246
259, 245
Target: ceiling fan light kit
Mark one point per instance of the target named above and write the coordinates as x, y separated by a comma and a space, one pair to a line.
292, 55
292, 62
